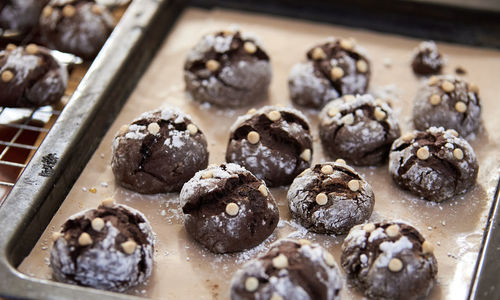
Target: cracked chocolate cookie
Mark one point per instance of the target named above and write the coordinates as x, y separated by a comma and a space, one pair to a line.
389, 261
30, 77
20, 15
289, 270
76, 26
109, 248
434, 164
427, 60
333, 69
330, 198
447, 101
274, 143
228, 69
359, 129
227, 209
158, 152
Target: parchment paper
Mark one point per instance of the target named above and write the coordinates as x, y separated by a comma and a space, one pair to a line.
183, 269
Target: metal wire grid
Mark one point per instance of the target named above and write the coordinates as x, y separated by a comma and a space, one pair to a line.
12, 144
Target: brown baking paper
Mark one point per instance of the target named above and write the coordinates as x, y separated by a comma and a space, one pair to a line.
183, 269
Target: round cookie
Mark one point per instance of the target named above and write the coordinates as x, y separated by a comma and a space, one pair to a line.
76, 26
359, 129
289, 270
434, 164
109, 248
20, 15
228, 69
30, 77
227, 209
338, 67
427, 60
158, 152
274, 143
389, 261
447, 101
330, 198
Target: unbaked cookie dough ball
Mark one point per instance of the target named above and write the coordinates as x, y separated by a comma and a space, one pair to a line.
274, 143
20, 15
109, 248
330, 198
338, 67
227, 209
427, 60
389, 261
30, 77
435, 164
228, 69
447, 101
359, 129
292, 270
158, 152
76, 26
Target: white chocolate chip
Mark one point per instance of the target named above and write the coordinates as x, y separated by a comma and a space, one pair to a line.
369, 227
123, 129
84, 239
379, 102
280, 261
332, 112
458, 154
303, 172
69, 11
251, 284
96, 9
318, 53
56, 235
347, 44
232, 209
10, 47
7, 76
251, 111
276, 297
207, 174
212, 65
274, 115
47, 11
306, 155
253, 137
153, 128
304, 242
263, 190
336, 73
97, 224
395, 265
427, 247
452, 132
340, 161
349, 98
353, 185
321, 199
32, 49
379, 114
474, 88
461, 107
328, 257
347, 119
392, 231
432, 80
108, 202
129, 246
249, 47
362, 66
408, 137
192, 129
447, 86
423, 153
327, 169
435, 99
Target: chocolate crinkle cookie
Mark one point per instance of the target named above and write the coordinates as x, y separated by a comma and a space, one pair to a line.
20, 15
292, 270
227, 209
447, 101
76, 26
427, 60
435, 164
274, 143
338, 67
158, 152
228, 69
30, 77
389, 261
359, 129
330, 198
109, 248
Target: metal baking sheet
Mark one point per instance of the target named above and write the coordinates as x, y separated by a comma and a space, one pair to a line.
455, 226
